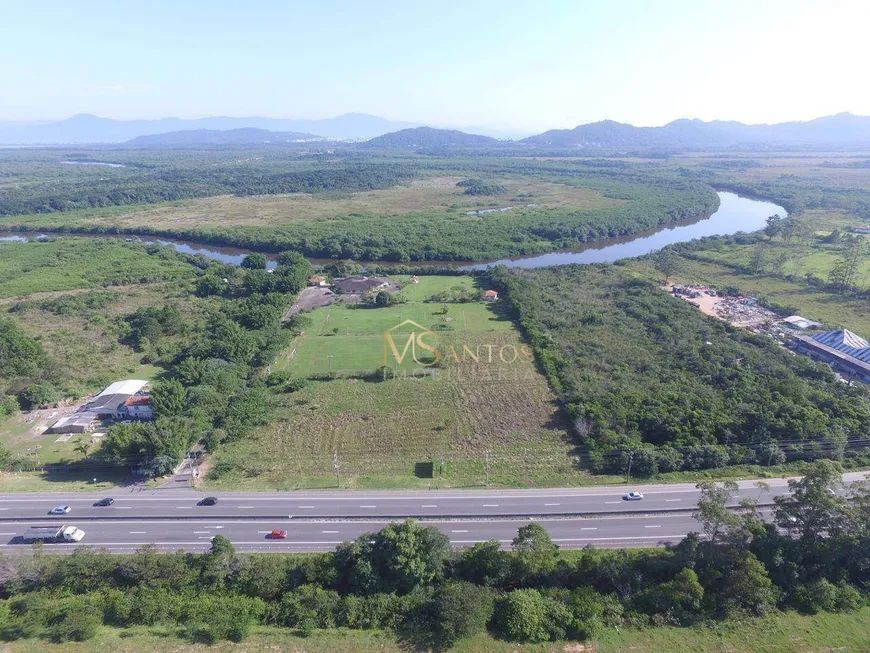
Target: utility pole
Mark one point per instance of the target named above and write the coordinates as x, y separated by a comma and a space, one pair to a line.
630, 459
329, 359
336, 465
487, 467
441, 464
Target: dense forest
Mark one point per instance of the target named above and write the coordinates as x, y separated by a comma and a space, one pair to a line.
648, 377
647, 199
812, 556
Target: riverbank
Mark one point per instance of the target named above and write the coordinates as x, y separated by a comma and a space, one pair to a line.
733, 215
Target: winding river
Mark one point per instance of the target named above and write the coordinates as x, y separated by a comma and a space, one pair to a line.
735, 214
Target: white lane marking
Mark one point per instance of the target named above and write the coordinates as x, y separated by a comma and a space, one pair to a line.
264, 532
490, 505
195, 532
205, 537
7, 533
368, 506
305, 507
215, 526
137, 532
184, 507
589, 528
673, 499
4, 508
246, 507
552, 504
458, 531
428, 505
656, 526
329, 532
123, 507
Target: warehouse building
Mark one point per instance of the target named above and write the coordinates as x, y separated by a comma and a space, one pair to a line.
846, 352
122, 400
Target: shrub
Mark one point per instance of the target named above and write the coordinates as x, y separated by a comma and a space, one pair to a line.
39, 394
460, 610
529, 616
74, 623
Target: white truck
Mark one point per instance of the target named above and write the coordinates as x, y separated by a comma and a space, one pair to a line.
53, 534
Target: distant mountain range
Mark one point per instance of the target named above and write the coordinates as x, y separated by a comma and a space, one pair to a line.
841, 129
242, 136
428, 137
85, 128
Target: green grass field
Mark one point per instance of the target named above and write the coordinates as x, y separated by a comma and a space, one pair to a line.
429, 194
73, 263
354, 335
781, 633
466, 411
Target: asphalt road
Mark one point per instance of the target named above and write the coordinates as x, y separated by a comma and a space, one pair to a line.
171, 519
324, 535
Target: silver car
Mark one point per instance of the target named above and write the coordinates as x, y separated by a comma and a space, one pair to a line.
59, 510
632, 496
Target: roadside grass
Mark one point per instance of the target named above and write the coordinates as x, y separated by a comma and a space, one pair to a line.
779, 633
486, 413
428, 194
70, 263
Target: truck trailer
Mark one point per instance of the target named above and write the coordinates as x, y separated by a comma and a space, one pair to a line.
53, 534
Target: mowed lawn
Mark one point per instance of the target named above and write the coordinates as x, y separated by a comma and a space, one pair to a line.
486, 414
347, 339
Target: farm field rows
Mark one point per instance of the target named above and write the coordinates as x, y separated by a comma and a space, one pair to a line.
388, 433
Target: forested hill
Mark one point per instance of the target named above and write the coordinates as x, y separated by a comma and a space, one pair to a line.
244, 136
422, 137
839, 129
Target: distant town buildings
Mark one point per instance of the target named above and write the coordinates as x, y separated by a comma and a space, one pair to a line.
863, 229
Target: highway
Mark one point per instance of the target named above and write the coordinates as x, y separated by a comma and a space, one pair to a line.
317, 521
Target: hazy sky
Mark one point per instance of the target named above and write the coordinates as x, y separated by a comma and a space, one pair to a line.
530, 65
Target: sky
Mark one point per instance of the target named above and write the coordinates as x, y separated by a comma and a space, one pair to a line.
493, 63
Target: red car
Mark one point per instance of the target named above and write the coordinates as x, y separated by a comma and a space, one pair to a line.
278, 534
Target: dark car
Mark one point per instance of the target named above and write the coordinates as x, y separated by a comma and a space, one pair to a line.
208, 501
108, 501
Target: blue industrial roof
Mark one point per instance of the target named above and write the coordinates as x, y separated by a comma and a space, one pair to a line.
847, 342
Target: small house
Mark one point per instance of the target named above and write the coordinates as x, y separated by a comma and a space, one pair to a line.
490, 295
318, 281
360, 285
137, 407
414, 279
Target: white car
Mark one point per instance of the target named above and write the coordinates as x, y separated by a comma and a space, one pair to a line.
632, 496
59, 510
